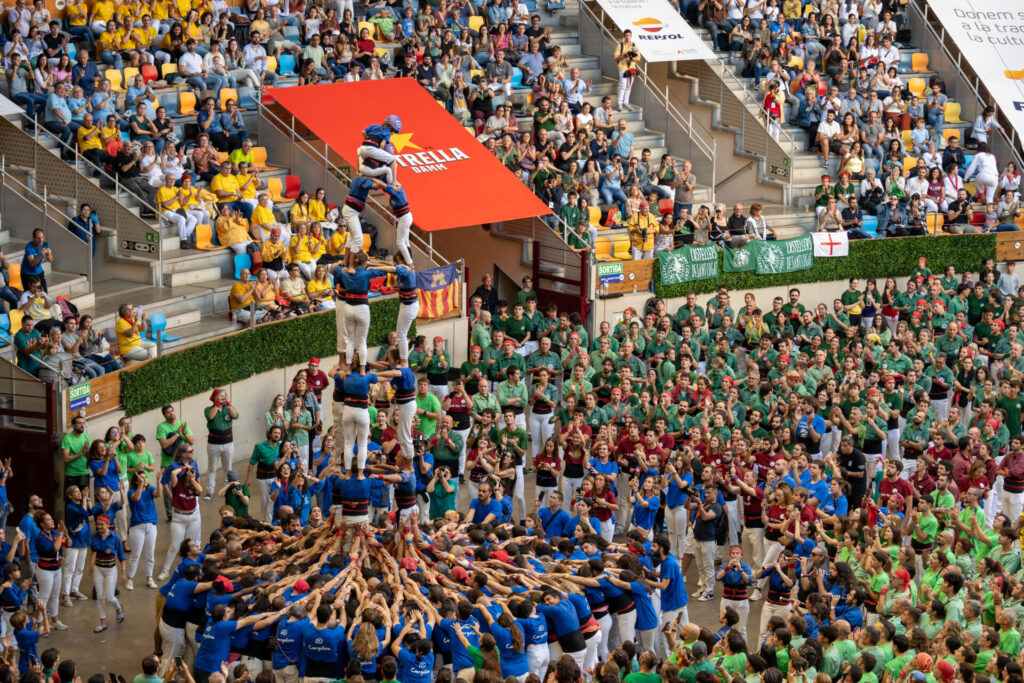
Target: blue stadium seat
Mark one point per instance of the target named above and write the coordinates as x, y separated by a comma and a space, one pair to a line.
286, 64
517, 78
871, 225
242, 261
245, 98
169, 101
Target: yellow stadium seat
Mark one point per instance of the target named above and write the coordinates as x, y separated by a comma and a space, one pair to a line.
909, 163
1019, 222
382, 52
919, 62
186, 102
275, 189
796, 61
168, 68
948, 133
225, 95
603, 249
16, 315
204, 239
272, 63
934, 222
594, 215
130, 72
971, 188
14, 278
370, 26
222, 157
473, 73
907, 142
116, 79
917, 86
953, 113
620, 248
476, 23
259, 157
366, 242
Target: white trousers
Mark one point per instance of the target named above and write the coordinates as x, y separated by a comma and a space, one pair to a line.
941, 408
742, 608
307, 268
377, 154
186, 225
537, 656
541, 430
355, 228
173, 645
217, 454
626, 626
406, 415
355, 432
49, 590
705, 556
357, 324
402, 237
675, 520
625, 87
268, 506
754, 538
590, 654
1010, 504
74, 567
341, 326
143, 540
183, 525
769, 610
668, 618
569, 487
519, 495
605, 622
406, 317
105, 581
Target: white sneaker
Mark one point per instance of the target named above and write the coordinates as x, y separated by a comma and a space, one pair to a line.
755, 596
164, 575
150, 583
68, 603
208, 496
129, 585
59, 625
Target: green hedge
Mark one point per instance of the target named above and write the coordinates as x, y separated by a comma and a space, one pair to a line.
197, 369
877, 258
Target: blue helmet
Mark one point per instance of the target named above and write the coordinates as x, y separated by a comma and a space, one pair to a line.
394, 123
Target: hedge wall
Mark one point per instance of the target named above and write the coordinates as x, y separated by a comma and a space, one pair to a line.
197, 369
877, 258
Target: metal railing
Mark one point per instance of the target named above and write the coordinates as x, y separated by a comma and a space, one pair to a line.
425, 244
702, 146
962, 83
49, 215
121, 196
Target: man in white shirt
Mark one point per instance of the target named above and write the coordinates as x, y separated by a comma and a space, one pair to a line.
255, 56
19, 18
827, 130
192, 69
917, 184
603, 117
889, 55
575, 88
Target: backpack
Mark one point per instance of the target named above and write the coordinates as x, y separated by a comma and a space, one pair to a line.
67, 309
722, 528
253, 250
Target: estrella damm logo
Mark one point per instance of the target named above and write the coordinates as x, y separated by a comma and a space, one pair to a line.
424, 160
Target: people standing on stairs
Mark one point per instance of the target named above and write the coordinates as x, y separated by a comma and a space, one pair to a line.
627, 57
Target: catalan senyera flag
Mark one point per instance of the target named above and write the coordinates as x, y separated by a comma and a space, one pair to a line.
439, 291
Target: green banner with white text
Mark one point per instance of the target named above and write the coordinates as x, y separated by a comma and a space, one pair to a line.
783, 256
687, 264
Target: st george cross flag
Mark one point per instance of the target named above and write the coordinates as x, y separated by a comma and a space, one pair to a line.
831, 244
439, 291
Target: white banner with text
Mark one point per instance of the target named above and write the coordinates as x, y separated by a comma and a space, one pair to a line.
660, 34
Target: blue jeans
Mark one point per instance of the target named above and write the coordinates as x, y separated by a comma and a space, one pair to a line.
612, 194
61, 131
858, 234
112, 58
240, 205
1007, 227
33, 103
108, 362
212, 82
7, 294
81, 33
92, 368
936, 118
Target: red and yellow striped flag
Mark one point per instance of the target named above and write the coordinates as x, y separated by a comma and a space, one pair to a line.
439, 291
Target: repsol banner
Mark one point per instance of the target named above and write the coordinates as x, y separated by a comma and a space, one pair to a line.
660, 34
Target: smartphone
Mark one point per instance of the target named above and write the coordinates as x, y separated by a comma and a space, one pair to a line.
178, 661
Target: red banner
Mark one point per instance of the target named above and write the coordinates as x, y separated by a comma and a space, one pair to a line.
450, 179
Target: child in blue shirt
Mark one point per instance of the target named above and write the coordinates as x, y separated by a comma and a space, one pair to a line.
27, 637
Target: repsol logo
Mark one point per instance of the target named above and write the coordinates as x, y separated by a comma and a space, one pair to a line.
659, 36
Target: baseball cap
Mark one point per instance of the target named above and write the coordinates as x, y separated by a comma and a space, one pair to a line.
275, 231
300, 586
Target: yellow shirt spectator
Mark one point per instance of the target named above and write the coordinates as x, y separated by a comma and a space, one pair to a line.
247, 188
193, 31
240, 295
127, 36
145, 37
77, 14
167, 199
161, 10
107, 41
270, 251
317, 210
127, 335
189, 196
103, 10
637, 224
298, 214
300, 249
182, 7
89, 138
225, 183
319, 290
336, 245
263, 215
232, 230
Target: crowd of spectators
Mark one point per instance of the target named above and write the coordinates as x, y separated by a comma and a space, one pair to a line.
838, 72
